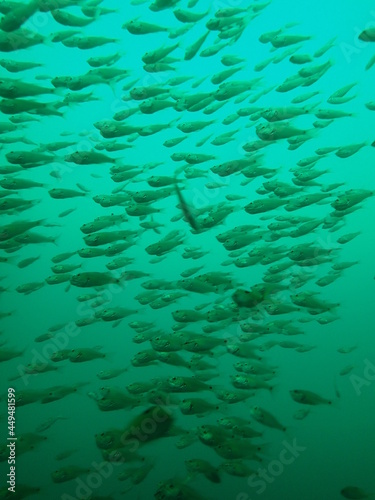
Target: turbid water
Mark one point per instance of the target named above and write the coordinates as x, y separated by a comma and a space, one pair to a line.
187, 237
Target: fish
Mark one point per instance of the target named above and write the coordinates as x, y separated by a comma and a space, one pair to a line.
266, 418
353, 492
19, 39
14, 19
193, 49
67, 19
142, 28
185, 209
68, 473
236, 468
308, 397
156, 55
10, 89
84, 354
48, 423
162, 420
367, 35
88, 158
31, 287
198, 465
18, 66
27, 262
55, 393
62, 194
65, 454
92, 279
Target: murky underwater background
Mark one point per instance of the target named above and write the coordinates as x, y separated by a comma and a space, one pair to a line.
237, 311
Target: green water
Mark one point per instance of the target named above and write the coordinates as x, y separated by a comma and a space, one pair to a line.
326, 348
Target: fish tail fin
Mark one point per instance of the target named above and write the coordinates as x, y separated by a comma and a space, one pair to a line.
48, 40
60, 91
173, 122
310, 107
28, 141
54, 107
83, 188
222, 407
56, 240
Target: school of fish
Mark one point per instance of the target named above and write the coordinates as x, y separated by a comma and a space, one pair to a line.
149, 230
